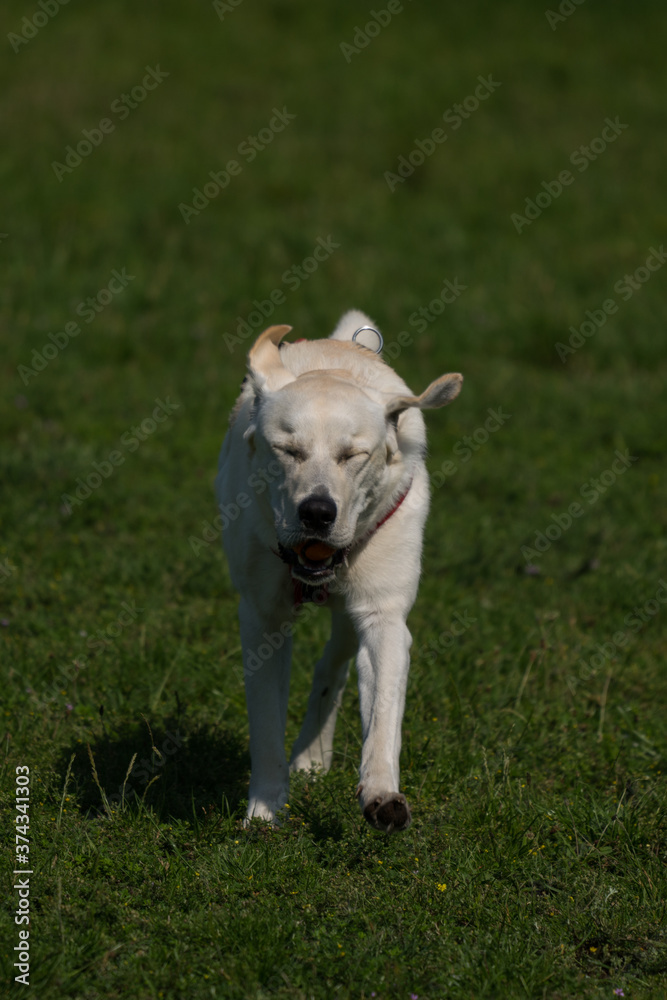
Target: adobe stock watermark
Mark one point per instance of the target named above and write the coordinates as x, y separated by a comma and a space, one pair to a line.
591, 491
426, 315
581, 158
565, 9
222, 7
364, 36
30, 26
625, 287
454, 117
56, 688
606, 651
88, 309
102, 637
469, 445
7, 569
464, 450
258, 482
293, 278
131, 440
280, 979
121, 107
434, 648
254, 659
220, 179
421, 319
107, 635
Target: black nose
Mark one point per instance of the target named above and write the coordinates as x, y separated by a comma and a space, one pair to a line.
318, 512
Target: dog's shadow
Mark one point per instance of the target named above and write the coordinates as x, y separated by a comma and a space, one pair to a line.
180, 771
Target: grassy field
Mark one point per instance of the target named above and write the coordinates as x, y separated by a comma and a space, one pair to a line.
534, 740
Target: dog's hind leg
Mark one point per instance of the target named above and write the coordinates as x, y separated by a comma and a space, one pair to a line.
314, 744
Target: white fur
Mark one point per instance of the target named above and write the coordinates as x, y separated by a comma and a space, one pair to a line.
327, 417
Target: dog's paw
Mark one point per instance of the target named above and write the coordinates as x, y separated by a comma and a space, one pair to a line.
389, 812
269, 809
309, 761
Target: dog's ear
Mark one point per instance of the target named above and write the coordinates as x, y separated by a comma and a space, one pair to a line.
439, 393
392, 440
267, 371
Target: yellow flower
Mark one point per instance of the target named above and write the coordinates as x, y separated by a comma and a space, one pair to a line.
441, 886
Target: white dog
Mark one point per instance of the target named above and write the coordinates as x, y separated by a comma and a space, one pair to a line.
322, 473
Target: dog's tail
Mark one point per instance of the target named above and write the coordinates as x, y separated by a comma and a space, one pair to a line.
349, 323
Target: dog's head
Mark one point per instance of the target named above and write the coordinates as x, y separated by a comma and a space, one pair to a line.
333, 448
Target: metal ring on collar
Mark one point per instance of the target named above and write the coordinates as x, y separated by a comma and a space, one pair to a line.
377, 334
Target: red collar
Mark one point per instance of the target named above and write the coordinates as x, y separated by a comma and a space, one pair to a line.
388, 515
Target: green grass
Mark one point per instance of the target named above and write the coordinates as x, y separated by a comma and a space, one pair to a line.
534, 765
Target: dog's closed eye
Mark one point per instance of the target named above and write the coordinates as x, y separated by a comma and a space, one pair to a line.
296, 453
348, 456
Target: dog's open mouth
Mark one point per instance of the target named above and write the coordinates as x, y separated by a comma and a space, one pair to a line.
313, 560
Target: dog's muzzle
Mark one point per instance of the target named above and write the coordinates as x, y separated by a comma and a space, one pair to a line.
312, 561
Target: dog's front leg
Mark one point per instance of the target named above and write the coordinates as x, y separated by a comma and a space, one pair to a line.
267, 653
383, 661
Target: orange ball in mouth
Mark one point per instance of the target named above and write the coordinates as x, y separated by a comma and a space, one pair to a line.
315, 551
